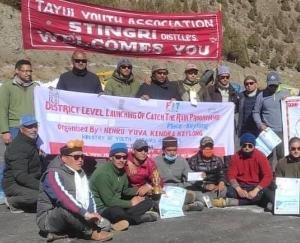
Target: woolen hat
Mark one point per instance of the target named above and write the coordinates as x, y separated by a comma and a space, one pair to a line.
273, 78
122, 62
157, 67
247, 138
206, 141
139, 143
222, 69
169, 142
191, 66
28, 120
71, 146
118, 148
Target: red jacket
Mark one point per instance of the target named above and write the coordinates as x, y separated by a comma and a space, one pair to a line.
253, 170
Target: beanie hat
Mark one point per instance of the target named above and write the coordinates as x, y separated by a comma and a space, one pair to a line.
206, 141
190, 66
122, 62
273, 78
71, 146
118, 148
28, 120
222, 69
157, 67
247, 138
169, 142
139, 143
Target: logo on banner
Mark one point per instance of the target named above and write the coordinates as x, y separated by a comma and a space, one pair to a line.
172, 106
54, 97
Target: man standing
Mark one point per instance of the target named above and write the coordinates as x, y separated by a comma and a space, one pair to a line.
79, 79
267, 112
247, 100
122, 82
114, 198
249, 174
160, 87
65, 205
23, 168
191, 89
16, 100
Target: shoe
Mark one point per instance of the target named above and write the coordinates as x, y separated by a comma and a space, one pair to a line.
11, 207
269, 207
101, 235
195, 206
149, 216
121, 225
190, 197
52, 237
219, 203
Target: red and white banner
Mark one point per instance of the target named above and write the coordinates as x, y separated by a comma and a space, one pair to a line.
103, 120
70, 25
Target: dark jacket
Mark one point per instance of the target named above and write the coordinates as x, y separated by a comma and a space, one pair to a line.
215, 95
86, 82
201, 95
23, 164
57, 189
214, 168
165, 91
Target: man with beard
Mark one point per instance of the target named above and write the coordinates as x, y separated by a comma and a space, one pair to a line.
249, 174
79, 79
23, 168
122, 82
160, 87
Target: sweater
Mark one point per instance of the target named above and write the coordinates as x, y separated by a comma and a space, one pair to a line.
174, 174
109, 186
254, 170
23, 164
288, 167
15, 101
87, 83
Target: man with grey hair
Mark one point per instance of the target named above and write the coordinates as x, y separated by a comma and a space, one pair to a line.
23, 168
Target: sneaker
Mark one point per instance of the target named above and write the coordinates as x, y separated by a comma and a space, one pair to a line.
121, 225
195, 206
190, 197
149, 216
52, 237
219, 203
101, 235
12, 208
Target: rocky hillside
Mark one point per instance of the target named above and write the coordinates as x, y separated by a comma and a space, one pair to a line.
259, 35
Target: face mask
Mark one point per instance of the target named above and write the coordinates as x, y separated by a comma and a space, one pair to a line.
207, 153
170, 158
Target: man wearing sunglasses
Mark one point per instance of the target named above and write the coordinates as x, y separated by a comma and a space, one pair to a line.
247, 100
66, 206
115, 199
249, 174
79, 79
140, 168
23, 168
267, 112
160, 87
122, 82
191, 89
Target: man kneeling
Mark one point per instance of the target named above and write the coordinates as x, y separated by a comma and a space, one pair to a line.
65, 205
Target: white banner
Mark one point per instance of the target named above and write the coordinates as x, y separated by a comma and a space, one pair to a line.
103, 120
290, 108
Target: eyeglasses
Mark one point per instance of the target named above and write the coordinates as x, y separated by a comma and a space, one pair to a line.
225, 77
249, 83
190, 72
145, 149
295, 148
77, 156
162, 73
25, 71
249, 145
126, 67
80, 60
121, 157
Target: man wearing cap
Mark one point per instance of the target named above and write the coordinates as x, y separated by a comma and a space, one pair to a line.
140, 168
65, 205
190, 88
122, 82
23, 168
267, 112
79, 79
213, 168
160, 87
174, 170
222, 90
249, 174
114, 198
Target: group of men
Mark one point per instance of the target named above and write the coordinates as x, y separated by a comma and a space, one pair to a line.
120, 192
